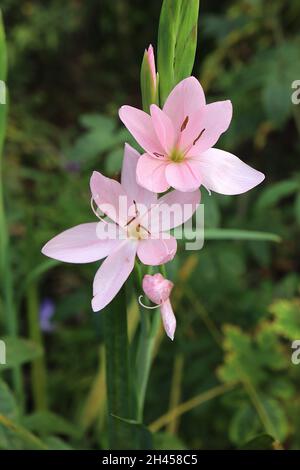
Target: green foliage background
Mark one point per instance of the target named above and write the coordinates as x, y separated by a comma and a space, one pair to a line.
72, 64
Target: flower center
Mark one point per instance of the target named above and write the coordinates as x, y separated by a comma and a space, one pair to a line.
136, 231
176, 155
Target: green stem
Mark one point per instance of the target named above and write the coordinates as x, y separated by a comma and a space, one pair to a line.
9, 307
258, 405
27, 437
149, 329
190, 405
5, 264
118, 378
150, 322
162, 269
138, 275
175, 392
208, 322
38, 371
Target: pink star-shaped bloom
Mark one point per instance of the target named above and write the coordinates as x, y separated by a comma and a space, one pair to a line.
179, 144
140, 230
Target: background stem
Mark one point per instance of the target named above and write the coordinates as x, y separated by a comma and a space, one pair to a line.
38, 370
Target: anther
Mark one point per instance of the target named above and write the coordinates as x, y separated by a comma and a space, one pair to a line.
184, 124
197, 138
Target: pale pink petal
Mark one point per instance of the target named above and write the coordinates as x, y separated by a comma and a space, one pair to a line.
79, 244
157, 288
155, 251
163, 127
110, 197
185, 99
171, 210
168, 318
150, 173
182, 176
112, 274
137, 193
225, 173
207, 126
140, 126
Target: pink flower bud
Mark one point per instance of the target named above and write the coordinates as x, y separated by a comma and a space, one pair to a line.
151, 61
158, 290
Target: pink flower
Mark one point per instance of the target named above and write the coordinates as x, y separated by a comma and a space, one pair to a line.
140, 230
178, 142
158, 290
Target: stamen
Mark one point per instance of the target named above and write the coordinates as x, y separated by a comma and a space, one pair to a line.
136, 214
197, 138
131, 220
139, 227
147, 306
136, 209
184, 124
158, 154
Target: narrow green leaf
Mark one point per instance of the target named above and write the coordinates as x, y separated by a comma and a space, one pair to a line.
3, 73
177, 41
8, 405
167, 32
236, 234
118, 372
8, 408
36, 273
46, 422
228, 234
143, 437
273, 194
29, 439
186, 39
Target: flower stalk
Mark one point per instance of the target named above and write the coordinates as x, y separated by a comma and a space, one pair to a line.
118, 375
38, 369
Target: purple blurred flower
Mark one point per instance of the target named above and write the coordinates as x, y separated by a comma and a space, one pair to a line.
47, 309
72, 167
